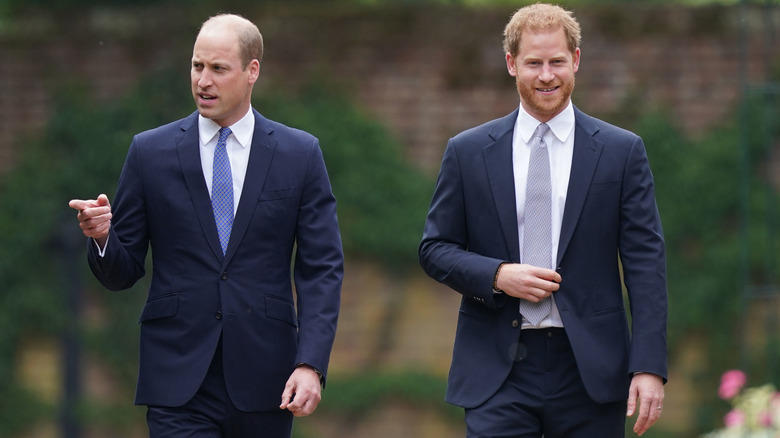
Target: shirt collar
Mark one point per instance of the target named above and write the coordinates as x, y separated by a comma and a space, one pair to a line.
242, 129
561, 125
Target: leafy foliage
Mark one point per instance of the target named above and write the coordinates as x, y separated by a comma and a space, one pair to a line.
15, 5
382, 200
698, 197
78, 155
715, 200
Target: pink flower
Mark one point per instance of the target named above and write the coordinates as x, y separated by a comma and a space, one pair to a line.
765, 419
731, 383
774, 410
734, 418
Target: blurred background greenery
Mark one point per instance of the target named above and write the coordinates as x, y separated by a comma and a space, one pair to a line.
383, 84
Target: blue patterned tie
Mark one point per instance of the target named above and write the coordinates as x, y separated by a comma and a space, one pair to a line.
537, 237
222, 189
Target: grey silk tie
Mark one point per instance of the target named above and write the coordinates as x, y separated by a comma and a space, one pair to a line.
537, 238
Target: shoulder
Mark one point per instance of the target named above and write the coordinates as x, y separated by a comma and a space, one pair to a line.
285, 135
488, 132
170, 130
601, 130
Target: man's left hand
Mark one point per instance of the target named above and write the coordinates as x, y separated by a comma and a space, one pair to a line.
302, 393
648, 391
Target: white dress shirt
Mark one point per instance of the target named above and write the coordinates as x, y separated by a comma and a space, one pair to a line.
560, 145
238, 146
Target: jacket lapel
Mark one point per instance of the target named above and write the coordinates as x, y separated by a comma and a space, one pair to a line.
587, 151
498, 165
188, 146
260, 157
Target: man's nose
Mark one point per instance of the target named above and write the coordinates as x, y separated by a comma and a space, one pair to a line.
205, 79
546, 75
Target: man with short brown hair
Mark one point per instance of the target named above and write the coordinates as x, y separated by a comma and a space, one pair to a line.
532, 219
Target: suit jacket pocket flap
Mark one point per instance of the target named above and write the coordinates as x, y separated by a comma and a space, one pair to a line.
270, 195
282, 310
160, 308
603, 186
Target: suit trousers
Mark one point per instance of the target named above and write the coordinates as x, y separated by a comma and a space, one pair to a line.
211, 414
544, 396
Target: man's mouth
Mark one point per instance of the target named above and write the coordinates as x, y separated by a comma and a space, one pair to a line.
547, 90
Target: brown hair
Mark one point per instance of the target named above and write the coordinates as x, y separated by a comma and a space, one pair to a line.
541, 16
250, 41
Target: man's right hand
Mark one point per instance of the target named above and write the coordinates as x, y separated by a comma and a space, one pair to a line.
94, 217
527, 282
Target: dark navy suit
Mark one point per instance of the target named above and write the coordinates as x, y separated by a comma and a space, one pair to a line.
610, 217
245, 297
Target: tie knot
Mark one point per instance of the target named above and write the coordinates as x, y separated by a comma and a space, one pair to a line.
541, 131
224, 133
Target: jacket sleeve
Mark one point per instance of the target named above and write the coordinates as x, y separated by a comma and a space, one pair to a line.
444, 249
642, 254
318, 270
122, 265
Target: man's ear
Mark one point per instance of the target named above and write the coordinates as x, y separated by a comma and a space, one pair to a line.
510, 64
254, 70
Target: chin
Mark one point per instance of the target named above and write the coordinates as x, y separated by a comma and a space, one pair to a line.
206, 112
547, 111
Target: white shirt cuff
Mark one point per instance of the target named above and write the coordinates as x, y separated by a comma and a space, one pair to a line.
101, 251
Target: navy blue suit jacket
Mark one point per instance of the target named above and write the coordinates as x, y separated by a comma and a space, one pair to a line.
246, 296
610, 219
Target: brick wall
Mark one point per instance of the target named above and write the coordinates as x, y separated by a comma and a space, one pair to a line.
426, 72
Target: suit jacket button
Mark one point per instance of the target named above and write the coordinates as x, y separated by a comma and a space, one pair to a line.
218, 315
515, 323
224, 276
